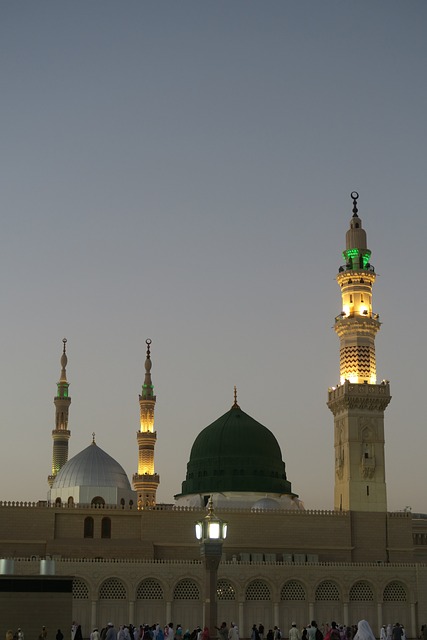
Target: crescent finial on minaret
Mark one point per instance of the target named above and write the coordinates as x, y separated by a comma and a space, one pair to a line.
64, 362
355, 197
148, 356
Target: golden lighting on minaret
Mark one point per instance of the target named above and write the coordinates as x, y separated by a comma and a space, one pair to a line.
357, 325
146, 480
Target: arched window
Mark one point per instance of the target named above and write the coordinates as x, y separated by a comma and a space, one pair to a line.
225, 590
149, 589
395, 592
106, 528
70, 501
80, 590
258, 590
97, 501
112, 589
186, 590
361, 592
293, 590
327, 590
88, 527
58, 502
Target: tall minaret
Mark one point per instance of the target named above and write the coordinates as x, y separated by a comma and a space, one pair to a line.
60, 434
358, 402
146, 481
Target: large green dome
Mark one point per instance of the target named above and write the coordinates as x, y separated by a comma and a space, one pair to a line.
235, 453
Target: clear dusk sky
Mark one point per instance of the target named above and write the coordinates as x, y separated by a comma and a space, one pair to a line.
181, 171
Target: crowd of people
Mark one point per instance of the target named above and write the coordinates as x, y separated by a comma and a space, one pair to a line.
333, 631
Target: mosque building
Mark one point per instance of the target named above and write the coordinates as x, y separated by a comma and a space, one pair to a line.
134, 560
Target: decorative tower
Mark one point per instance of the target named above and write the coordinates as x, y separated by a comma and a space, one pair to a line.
146, 481
358, 402
60, 434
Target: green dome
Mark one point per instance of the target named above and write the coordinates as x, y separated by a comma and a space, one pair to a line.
235, 453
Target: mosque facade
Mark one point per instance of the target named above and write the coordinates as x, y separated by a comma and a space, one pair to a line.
133, 560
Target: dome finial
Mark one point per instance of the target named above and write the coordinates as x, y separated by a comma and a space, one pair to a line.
93, 437
235, 405
355, 197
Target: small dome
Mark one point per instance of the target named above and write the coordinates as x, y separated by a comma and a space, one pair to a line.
236, 453
92, 467
266, 504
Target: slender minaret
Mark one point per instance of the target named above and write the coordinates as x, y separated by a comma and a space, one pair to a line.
60, 434
146, 481
358, 402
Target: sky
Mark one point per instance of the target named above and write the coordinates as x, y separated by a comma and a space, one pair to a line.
181, 171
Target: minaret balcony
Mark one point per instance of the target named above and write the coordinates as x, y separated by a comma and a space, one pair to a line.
351, 395
146, 478
353, 315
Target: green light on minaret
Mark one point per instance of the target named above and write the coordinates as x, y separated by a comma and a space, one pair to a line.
365, 258
62, 390
351, 253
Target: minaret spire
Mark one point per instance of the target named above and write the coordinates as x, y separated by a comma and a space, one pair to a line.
146, 481
61, 434
357, 325
358, 402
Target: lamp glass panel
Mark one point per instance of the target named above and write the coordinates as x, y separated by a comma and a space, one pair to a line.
198, 530
214, 530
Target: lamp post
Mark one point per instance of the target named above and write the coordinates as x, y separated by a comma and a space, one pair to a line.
211, 532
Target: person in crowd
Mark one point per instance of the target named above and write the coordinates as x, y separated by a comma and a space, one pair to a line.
111, 632
233, 633
294, 632
222, 631
364, 631
333, 633
397, 632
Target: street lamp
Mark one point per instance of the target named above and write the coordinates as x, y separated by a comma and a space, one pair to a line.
211, 531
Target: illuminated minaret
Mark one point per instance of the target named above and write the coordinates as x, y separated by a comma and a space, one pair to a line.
60, 434
358, 402
146, 481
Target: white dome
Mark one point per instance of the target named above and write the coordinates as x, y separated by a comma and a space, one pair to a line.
92, 467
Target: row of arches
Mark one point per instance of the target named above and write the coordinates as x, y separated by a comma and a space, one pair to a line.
153, 600
292, 590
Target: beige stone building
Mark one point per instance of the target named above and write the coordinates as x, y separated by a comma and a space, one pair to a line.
133, 560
